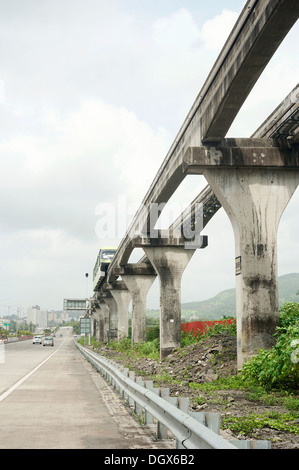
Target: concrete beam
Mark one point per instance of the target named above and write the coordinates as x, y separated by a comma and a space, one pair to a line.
136, 269
259, 30
166, 238
243, 153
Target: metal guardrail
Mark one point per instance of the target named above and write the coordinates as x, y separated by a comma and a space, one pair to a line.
189, 428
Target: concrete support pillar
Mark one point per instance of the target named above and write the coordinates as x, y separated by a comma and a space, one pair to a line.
254, 199
100, 322
138, 279
113, 317
122, 297
94, 326
95, 323
169, 263
104, 322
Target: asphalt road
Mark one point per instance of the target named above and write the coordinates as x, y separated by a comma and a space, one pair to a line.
51, 398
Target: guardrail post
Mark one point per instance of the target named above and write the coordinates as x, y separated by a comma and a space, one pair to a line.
117, 385
131, 376
183, 404
138, 408
209, 419
148, 384
124, 394
162, 430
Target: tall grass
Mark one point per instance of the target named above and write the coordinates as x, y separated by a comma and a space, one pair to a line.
150, 349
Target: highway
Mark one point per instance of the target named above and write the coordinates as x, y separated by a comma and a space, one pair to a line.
51, 398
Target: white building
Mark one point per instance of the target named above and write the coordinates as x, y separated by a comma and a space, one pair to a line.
42, 319
37, 317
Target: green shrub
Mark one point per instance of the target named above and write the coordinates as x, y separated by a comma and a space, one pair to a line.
279, 367
123, 345
153, 333
220, 328
149, 348
288, 314
188, 338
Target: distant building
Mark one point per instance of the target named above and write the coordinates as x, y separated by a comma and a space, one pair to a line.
31, 314
53, 316
64, 317
43, 318
37, 317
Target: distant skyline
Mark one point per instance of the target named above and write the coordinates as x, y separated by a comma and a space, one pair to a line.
92, 95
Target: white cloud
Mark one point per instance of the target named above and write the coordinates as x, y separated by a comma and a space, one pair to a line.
50, 186
94, 96
215, 31
176, 54
43, 266
177, 32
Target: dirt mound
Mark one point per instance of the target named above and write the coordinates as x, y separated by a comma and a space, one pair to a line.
211, 358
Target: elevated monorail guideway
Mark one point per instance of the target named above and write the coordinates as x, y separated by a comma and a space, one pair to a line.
283, 123
259, 30
201, 210
232, 167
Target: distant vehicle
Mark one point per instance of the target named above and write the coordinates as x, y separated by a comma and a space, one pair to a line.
37, 339
105, 256
48, 341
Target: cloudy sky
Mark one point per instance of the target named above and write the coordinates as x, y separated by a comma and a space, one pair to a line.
92, 95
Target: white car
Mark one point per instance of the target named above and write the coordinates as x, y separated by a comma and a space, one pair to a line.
37, 339
48, 340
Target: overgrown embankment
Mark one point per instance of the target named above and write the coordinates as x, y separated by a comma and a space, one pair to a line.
259, 402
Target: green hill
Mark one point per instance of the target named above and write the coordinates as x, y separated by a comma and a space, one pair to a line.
224, 303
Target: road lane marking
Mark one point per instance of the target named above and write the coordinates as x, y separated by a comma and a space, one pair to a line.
16, 385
